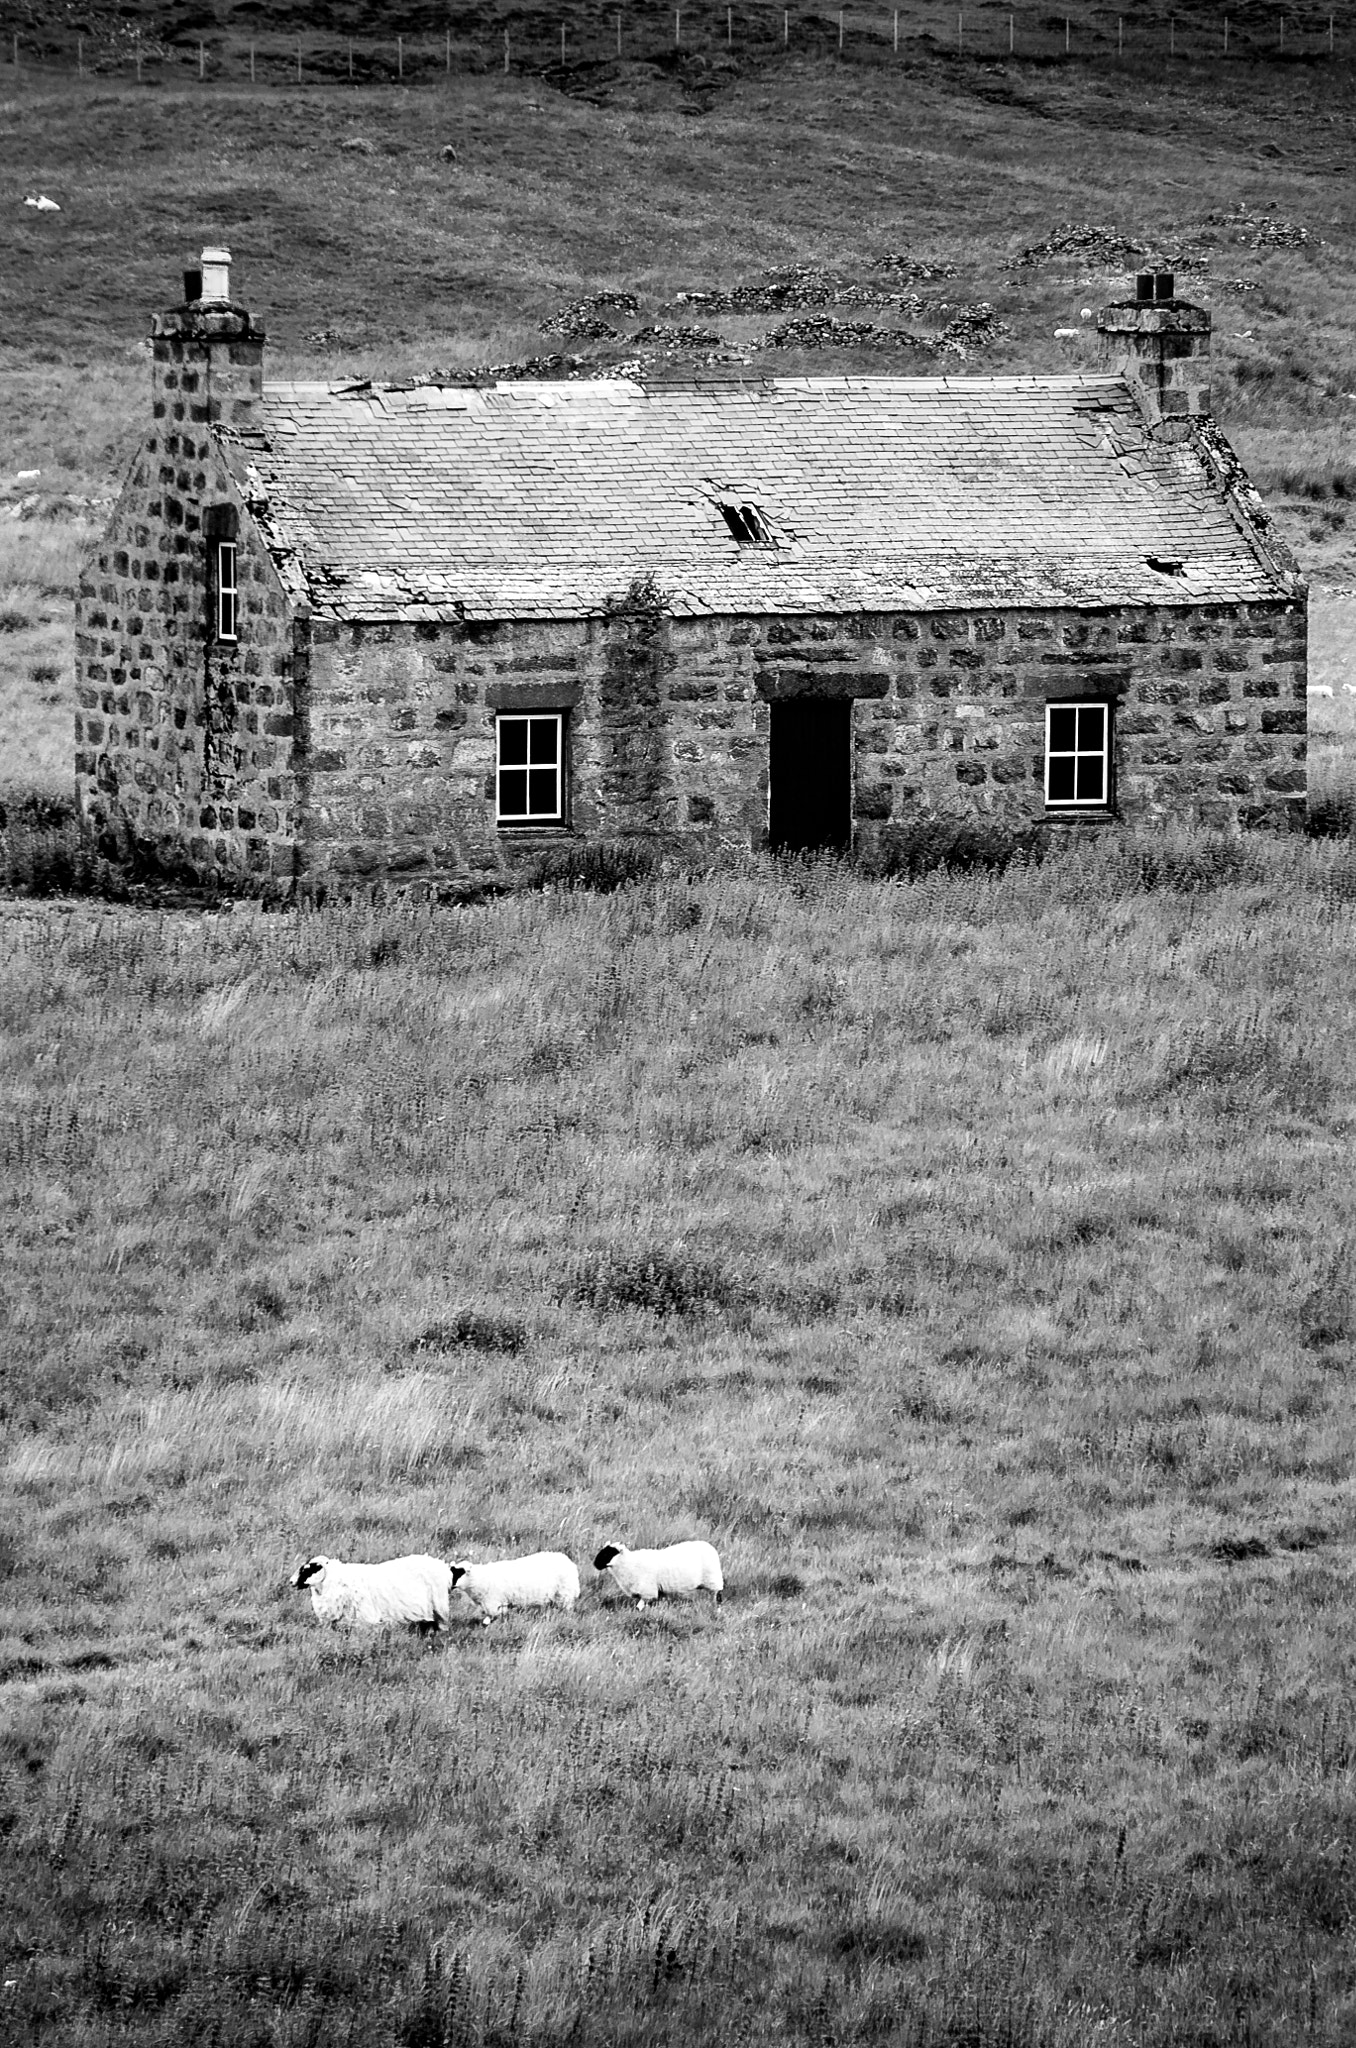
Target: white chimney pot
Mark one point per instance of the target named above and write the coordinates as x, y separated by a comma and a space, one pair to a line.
216, 273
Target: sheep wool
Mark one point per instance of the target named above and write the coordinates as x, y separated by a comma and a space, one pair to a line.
678, 1572
546, 1579
413, 1591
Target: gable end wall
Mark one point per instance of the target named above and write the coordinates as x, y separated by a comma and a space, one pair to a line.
184, 745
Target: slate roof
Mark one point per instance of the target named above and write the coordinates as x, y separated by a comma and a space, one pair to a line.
540, 501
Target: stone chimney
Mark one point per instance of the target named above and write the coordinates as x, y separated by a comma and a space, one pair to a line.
1161, 345
208, 354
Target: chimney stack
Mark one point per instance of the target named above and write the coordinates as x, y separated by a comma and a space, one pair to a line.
1161, 345
208, 354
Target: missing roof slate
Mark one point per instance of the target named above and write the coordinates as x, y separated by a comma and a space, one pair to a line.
748, 524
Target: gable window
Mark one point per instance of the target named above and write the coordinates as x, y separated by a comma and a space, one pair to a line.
529, 767
227, 589
1077, 755
221, 529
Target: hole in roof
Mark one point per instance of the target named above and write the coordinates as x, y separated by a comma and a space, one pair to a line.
1167, 565
748, 525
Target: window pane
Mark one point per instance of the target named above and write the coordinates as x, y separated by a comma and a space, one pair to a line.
512, 742
1090, 786
542, 799
513, 793
544, 731
1061, 784
1063, 728
1091, 725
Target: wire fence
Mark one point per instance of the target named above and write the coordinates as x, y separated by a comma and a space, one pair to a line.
689, 37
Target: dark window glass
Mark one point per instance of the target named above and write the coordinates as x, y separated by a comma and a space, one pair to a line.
1062, 779
1090, 777
1091, 724
513, 793
512, 742
1063, 729
543, 741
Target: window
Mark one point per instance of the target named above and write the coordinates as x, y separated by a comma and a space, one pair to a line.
1077, 755
529, 771
227, 590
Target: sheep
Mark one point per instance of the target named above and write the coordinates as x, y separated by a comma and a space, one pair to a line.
1318, 689
649, 1574
546, 1579
414, 1590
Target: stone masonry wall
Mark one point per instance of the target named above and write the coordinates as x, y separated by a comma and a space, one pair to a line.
669, 724
183, 743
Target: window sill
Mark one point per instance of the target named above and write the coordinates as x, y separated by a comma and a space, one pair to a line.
1079, 814
534, 828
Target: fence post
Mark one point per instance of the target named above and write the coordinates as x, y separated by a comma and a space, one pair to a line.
251, 63
1226, 35
1282, 31
1120, 35
1172, 35
16, 54
840, 31
350, 63
677, 27
16, 59
960, 33
400, 56
1012, 33
506, 49
1330, 35
786, 29
562, 46
447, 39
1066, 35
896, 31
298, 60
201, 64
619, 35
729, 28
80, 53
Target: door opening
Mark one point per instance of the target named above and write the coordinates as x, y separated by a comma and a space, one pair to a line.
810, 773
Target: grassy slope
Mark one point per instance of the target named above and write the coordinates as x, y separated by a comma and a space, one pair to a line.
999, 1330
411, 261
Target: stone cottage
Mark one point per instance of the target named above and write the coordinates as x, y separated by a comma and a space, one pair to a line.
343, 632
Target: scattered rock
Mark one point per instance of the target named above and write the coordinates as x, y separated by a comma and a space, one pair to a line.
1082, 238
1261, 231
782, 290
580, 321
912, 270
357, 145
448, 153
42, 203
672, 338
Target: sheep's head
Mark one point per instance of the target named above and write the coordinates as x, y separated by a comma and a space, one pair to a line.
459, 1571
310, 1570
606, 1555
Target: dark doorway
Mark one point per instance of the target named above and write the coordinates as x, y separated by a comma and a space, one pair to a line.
810, 770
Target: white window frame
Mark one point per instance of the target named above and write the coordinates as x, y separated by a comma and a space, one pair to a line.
227, 590
1078, 754
530, 719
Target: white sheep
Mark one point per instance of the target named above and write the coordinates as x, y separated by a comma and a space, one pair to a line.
546, 1579
416, 1591
678, 1571
1318, 689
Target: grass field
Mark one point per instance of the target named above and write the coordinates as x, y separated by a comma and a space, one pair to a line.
971, 1260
